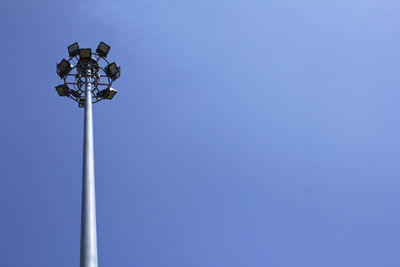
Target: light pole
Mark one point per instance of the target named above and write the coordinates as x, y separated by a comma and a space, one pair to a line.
86, 81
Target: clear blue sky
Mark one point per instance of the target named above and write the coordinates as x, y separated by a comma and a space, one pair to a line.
257, 133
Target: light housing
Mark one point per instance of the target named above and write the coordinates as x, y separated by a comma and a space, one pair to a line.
81, 103
73, 50
103, 49
108, 93
62, 90
75, 93
63, 68
113, 71
85, 53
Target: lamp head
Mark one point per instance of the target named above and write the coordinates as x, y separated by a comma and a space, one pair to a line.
81, 103
113, 71
108, 93
62, 90
75, 93
85, 54
73, 50
103, 49
63, 68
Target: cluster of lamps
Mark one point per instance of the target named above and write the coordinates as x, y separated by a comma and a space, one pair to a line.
86, 60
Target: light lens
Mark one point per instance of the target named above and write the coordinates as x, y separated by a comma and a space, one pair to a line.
62, 90
75, 93
108, 93
113, 71
85, 53
103, 49
73, 50
63, 68
111, 92
81, 103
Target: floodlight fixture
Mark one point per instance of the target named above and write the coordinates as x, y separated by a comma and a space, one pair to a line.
62, 90
116, 76
85, 54
81, 102
113, 71
73, 50
108, 93
63, 68
75, 93
103, 49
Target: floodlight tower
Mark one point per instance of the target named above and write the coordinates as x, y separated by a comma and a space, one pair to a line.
88, 77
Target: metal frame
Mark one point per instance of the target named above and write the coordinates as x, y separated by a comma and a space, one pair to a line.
76, 81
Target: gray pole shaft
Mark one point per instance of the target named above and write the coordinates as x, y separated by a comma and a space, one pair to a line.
88, 223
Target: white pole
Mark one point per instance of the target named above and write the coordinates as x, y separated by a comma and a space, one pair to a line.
88, 223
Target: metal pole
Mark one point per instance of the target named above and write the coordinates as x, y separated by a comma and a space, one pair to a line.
88, 223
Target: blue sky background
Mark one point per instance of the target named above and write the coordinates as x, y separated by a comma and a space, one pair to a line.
245, 133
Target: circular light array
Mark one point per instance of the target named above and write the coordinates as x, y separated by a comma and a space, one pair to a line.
74, 72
